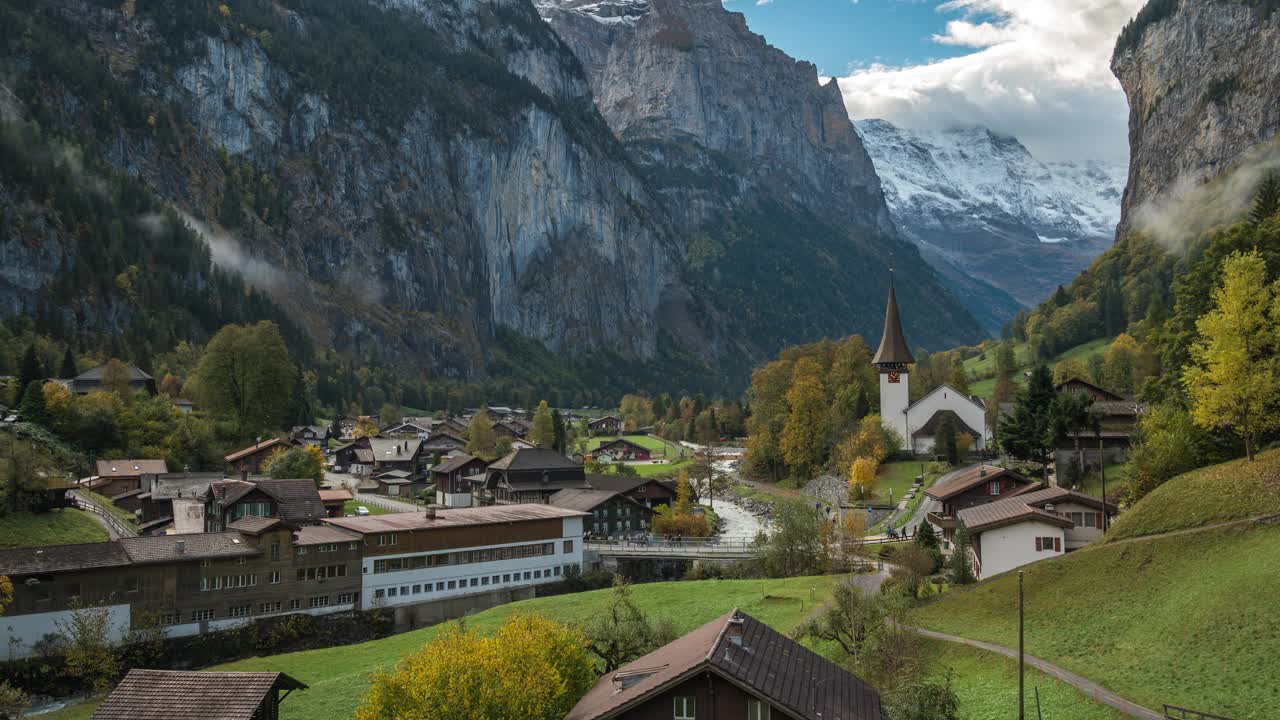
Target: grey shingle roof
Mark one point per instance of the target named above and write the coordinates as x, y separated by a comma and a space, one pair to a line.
448, 465
131, 468
533, 459
165, 548
169, 694
580, 499
298, 500
61, 558
252, 524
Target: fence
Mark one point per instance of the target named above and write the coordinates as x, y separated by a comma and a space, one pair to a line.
387, 503
91, 504
1187, 714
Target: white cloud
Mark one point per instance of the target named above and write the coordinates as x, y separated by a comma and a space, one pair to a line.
1041, 73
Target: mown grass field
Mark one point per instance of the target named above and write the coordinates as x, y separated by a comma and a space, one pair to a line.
349, 508
655, 444
59, 527
893, 480
1188, 620
338, 677
1218, 493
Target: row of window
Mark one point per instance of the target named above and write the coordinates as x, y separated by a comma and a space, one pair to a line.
229, 582
475, 582
322, 572
686, 708
266, 608
1086, 519
466, 557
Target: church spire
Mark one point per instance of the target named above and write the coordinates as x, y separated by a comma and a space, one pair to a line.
894, 351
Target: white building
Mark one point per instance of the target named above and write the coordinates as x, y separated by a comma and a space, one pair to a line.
917, 422
412, 558
1031, 526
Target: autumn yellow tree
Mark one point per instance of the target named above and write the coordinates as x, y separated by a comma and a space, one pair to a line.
365, 427
959, 378
481, 440
1068, 369
531, 668
804, 434
636, 411
1233, 382
862, 475
543, 433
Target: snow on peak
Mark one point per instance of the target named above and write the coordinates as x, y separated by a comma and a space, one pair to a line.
605, 12
975, 172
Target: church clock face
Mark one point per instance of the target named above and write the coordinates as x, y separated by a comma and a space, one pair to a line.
895, 378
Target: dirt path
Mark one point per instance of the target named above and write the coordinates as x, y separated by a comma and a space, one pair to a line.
1260, 520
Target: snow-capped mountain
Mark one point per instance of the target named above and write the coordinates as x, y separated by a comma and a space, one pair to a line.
982, 203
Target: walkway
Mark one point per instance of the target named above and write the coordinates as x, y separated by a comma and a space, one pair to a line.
1084, 685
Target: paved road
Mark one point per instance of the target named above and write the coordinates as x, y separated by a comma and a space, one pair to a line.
1084, 685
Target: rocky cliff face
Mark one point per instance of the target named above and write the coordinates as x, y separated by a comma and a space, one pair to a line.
408, 177
981, 203
760, 167
1201, 78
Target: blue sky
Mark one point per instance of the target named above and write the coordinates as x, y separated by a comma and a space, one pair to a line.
1035, 69
839, 35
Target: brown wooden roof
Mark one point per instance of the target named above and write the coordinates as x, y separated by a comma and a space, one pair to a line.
765, 663
586, 500
130, 468
1007, 512
253, 525
448, 465
971, 477
252, 449
167, 548
61, 558
893, 342
182, 695
533, 459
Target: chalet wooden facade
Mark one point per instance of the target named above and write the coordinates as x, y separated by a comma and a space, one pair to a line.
529, 475
624, 450
971, 487
611, 512
251, 460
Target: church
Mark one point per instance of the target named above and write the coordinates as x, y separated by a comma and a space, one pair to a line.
917, 422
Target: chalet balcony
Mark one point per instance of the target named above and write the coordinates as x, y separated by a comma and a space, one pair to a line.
945, 522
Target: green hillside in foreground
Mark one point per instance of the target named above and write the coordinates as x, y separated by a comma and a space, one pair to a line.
1219, 493
338, 677
1186, 619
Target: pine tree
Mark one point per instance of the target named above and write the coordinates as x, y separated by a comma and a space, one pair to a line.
961, 567
944, 442
557, 423
1027, 434
33, 409
925, 537
1266, 202
31, 371
68, 370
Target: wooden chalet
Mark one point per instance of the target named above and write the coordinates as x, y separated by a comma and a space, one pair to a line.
529, 475
114, 477
452, 479
607, 425
623, 449
251, 459
649, 492
612, 512
970, 487
295, 503
90, 380
335, 501
733, 667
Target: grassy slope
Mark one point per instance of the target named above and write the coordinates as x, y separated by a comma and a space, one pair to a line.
1218, 493
980, 365
1187, 620
60, 527
895, 476
339, 676
987, 685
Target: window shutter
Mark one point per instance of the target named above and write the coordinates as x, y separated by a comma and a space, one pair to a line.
1057, 544
1038, 545
1098, 522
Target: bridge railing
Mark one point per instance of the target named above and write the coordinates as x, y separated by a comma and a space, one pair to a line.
691, 546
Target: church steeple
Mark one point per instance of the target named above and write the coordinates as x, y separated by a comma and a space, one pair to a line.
894, 353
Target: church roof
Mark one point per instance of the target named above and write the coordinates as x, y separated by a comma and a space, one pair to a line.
893, 343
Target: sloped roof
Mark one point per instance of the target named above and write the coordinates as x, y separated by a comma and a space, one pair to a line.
533, 459
252, 449
97, 373
62, 558
335, 495
394, 449
131, 468
766, 663
253, 525
1008, 512
893, 342
930, 428
947, 387
450, 464
622, 441
618, 483
169, 694
183, 485
298, 500
165, 548
582, 499
1045, 496
322, 534
968, 478
1081, 381
488, 515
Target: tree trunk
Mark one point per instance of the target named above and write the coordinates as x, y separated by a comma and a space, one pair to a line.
1248, 446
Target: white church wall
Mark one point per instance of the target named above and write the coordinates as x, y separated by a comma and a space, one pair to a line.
946, 398
894, 399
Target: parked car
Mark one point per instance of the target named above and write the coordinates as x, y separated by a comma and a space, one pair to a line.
362, 510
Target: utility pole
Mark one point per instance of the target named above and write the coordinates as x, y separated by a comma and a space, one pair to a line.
1102, 470
1021, 713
